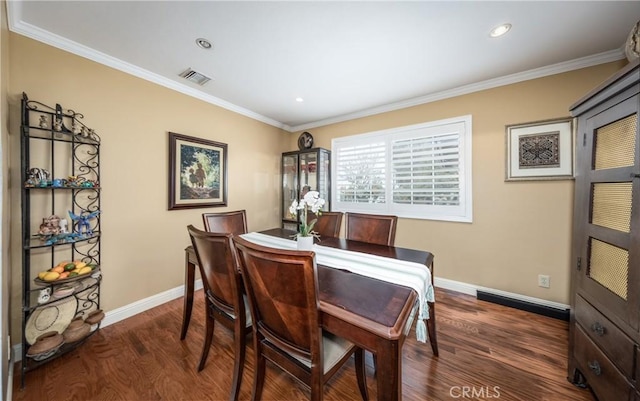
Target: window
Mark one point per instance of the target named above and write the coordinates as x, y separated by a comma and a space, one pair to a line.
420, 171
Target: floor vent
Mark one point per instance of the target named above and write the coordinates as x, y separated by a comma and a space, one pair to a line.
195, 76
562, 314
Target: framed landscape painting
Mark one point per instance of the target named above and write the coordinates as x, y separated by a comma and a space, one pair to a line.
197, 172
541, 150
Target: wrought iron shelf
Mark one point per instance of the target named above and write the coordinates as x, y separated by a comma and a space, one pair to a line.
58, 148
36, 243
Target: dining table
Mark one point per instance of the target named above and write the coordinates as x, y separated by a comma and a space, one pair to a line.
374, 314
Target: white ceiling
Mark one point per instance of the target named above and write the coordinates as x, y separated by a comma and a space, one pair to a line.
346, 59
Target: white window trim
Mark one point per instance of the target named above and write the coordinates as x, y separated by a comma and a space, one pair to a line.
463, 213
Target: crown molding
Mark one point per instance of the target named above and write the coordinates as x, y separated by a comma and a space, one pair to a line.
584, 62
14, 13
20, 27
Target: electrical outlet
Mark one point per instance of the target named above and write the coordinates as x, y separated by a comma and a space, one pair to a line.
543, 281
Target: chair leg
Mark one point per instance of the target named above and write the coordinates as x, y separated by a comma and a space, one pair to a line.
260, 363
317, 384
240, 340
431, 328
208, 337
360, 374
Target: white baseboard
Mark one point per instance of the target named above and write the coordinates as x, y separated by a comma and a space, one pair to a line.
456, 286
142, 305
471, 289
130, 310
9, 395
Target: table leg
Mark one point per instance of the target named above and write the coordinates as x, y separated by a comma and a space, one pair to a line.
431, 328
189, 279
389, 371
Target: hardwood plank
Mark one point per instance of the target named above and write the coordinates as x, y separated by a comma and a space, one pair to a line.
488, 350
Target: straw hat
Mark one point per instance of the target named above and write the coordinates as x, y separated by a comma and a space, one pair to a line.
54, 316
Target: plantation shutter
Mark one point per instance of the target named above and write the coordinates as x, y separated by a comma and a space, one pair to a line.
361, 172
421, 171
426, 170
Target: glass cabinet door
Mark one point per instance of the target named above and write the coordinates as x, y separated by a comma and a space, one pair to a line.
290, 188
303, 171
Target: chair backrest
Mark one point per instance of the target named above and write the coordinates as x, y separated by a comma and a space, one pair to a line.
218, 264
282, 288
328, 224
226, 222
371, 228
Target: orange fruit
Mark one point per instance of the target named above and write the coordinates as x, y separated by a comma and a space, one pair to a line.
58, 269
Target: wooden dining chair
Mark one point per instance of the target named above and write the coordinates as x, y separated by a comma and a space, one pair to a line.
223, 288
234, 222
381, 230
371, 228
282, 287
328, 224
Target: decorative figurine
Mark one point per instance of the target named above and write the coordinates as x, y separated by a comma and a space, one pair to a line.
31, 182
75, 128
45, 295
63, 226
57, 124
50, 226
59, 182
83, 221
44, 123
39, 174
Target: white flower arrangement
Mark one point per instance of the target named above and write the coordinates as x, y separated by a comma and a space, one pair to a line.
311, 200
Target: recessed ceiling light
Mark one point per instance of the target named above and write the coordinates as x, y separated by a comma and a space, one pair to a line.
204, 43
299, 100
500, 30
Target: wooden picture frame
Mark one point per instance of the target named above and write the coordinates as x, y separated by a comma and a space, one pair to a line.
197, 172
540, 150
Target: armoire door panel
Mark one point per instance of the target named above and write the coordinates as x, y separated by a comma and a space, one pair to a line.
604, 346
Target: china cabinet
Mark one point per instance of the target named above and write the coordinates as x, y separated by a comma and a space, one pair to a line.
304, 170
605, 313
61, 272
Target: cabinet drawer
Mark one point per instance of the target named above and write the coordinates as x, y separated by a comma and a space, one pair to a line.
606, 381
609, 338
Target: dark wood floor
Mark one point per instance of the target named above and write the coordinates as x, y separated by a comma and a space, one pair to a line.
487, 351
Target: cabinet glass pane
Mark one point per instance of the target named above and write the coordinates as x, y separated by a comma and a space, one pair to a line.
611, 205
289, 183
323, 180
308, 170
615, 144
609, 266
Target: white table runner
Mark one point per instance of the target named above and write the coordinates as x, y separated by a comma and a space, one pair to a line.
408, 274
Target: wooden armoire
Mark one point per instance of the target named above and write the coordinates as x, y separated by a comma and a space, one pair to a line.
604, 350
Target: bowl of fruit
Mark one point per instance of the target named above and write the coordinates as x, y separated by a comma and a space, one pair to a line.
65, 272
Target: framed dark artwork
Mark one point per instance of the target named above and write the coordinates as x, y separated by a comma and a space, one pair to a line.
540, 150
197, 172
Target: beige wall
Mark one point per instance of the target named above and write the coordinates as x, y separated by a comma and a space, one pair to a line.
519, 229
143, 242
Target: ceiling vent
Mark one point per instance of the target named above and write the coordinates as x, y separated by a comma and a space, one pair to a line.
195, 76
